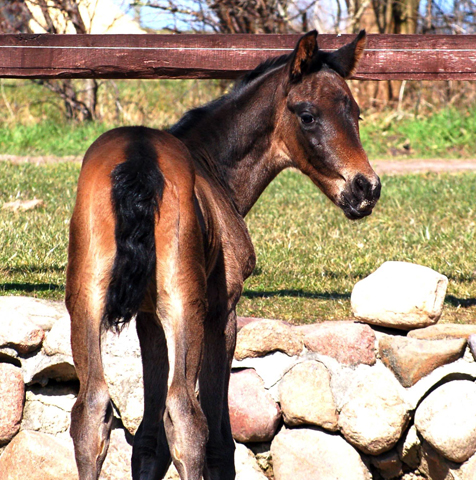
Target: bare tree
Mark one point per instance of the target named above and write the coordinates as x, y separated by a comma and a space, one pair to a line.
234, 16
80, 97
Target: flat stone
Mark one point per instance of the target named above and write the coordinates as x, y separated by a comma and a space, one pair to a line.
12, 392
254, 415
259, 338
447, 420
409, 448
411, 359
400, 295
388, 464
42, 368
58, 340
305, 453
123, 372
242, 321
43, 313
350, 343
472, 345
467, 471
18, 332
246, 466
375, 414
48, 410
37, 456
270, 368
306, 396
443, 331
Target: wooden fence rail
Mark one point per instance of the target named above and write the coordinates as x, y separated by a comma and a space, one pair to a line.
388, 57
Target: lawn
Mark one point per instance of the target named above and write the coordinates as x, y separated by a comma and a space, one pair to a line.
309, 254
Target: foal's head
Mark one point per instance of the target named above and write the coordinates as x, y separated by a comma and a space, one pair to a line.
319, 125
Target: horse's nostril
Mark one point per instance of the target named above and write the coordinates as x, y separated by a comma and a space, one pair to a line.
361, 186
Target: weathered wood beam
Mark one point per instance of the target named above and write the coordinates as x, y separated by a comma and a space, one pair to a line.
388, 57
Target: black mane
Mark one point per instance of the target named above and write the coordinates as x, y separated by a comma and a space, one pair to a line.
192, 117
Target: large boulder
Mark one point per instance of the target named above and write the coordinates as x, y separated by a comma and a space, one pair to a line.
350, 343
42, 313
411, 359
305, 453
400, 295
37, 456
12, 392
306, 396
246, 466
258, 338
447, 420
254, 415
375, 414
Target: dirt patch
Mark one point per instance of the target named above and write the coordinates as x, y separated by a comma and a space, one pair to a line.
382, 167
400, 167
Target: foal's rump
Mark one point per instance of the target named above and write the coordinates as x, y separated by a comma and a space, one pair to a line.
125, 176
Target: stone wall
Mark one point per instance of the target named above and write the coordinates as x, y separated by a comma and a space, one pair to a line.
373, 398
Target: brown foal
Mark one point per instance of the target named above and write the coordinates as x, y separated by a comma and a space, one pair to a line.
158, 233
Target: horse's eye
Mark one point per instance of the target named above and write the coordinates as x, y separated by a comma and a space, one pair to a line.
307, 119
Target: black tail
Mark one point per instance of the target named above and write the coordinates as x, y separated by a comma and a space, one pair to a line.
137, 188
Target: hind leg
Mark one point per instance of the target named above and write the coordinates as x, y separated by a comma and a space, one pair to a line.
92, 414
220, 339
151, 456
181, 308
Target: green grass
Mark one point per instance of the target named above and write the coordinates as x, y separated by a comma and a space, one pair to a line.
309, 254
447, 133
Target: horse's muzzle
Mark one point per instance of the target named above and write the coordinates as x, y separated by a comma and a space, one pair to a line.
360, 196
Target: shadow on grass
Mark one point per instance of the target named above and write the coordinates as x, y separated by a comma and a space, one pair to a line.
460, 302
29, 287
296, 294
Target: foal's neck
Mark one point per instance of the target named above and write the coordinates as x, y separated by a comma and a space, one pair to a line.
234, 139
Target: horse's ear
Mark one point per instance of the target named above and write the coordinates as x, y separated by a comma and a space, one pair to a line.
346, 59
303, 56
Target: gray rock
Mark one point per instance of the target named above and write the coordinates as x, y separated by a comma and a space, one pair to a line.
254, 415
447, 420
37, 456
467, 471
443, 331
123, 372
256, 339
48, 410
411, 359
472, 344
306, 396
12, 391
41, 368
453, 370
270, 368
400, 295
18, 332
58, 340
43, 313
375, 414
305, 453
409, 448
246, 466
